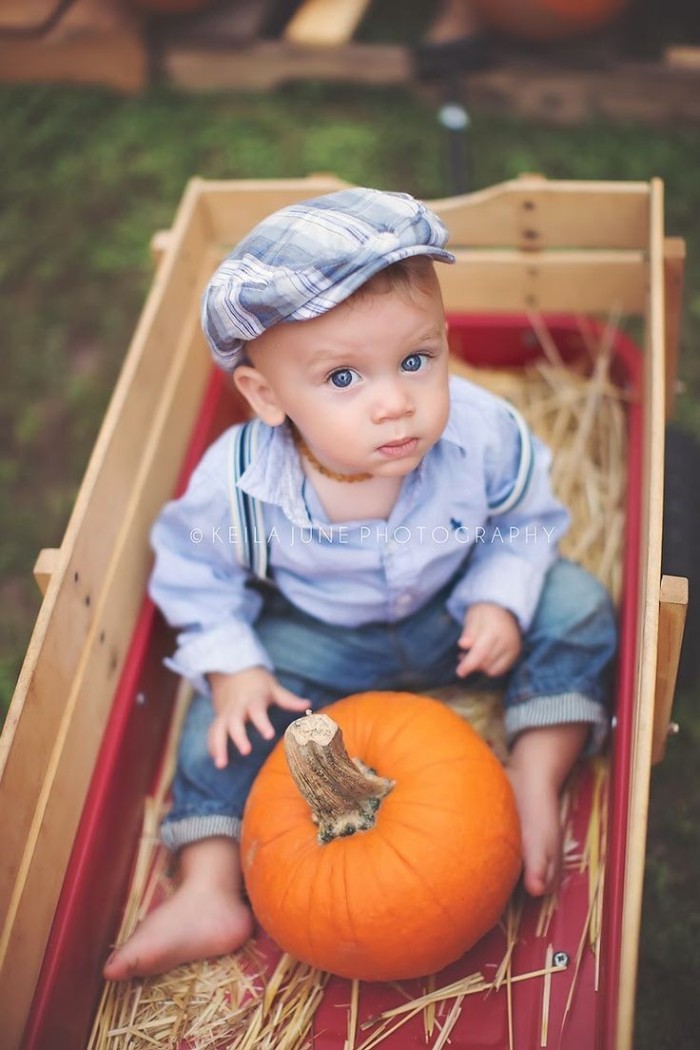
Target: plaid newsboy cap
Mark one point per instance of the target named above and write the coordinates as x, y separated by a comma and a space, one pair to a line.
306, 258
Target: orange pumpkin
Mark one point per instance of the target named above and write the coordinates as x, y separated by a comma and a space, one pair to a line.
548, 19
392, 866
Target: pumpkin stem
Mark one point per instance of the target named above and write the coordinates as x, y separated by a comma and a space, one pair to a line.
342, 793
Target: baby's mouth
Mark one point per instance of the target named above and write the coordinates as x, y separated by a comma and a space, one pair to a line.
401, 447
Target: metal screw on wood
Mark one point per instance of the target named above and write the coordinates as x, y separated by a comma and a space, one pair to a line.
560, 960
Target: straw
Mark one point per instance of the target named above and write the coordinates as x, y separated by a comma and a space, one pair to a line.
352, 1016
546, 993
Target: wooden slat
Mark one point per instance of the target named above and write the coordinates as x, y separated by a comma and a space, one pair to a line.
647, 623
672, 613
270, 63
325, 23
533, 213
117, 60
76, 653
586, 281
674, 268
541, 90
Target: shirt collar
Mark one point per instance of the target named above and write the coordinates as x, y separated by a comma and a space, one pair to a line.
275, 476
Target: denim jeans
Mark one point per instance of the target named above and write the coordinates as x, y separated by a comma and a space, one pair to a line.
561, 676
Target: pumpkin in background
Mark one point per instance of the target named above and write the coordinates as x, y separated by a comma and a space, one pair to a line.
547, 19
413, 848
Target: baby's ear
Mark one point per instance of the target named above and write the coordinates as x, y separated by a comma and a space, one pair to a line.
259, 395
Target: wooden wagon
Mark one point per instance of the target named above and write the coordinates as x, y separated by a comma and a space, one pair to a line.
85, 734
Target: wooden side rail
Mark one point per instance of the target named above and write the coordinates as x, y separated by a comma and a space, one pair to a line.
673, 606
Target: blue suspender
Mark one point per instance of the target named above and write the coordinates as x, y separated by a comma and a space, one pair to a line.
246, 511
523, 477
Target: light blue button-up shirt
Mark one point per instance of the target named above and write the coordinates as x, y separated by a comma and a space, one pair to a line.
478, 510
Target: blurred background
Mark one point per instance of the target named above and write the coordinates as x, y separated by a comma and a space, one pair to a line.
108, 107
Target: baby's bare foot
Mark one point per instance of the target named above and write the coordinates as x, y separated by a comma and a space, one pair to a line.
538, 808
197, 922
539, 764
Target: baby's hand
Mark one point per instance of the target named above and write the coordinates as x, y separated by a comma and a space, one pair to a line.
243, 697
492, 637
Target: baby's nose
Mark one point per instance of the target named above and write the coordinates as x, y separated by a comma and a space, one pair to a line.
392, 400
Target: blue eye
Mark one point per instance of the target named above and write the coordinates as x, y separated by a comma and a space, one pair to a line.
414, 362
342, 378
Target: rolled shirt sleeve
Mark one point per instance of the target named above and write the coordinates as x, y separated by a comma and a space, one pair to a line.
199, 585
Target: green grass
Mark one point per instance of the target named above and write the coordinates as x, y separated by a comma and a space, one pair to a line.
668, 1006
87, 177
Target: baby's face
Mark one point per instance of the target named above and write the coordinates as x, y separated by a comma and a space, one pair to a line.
366, 383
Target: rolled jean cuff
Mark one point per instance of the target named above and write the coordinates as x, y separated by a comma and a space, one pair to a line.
178, 833
561, 709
